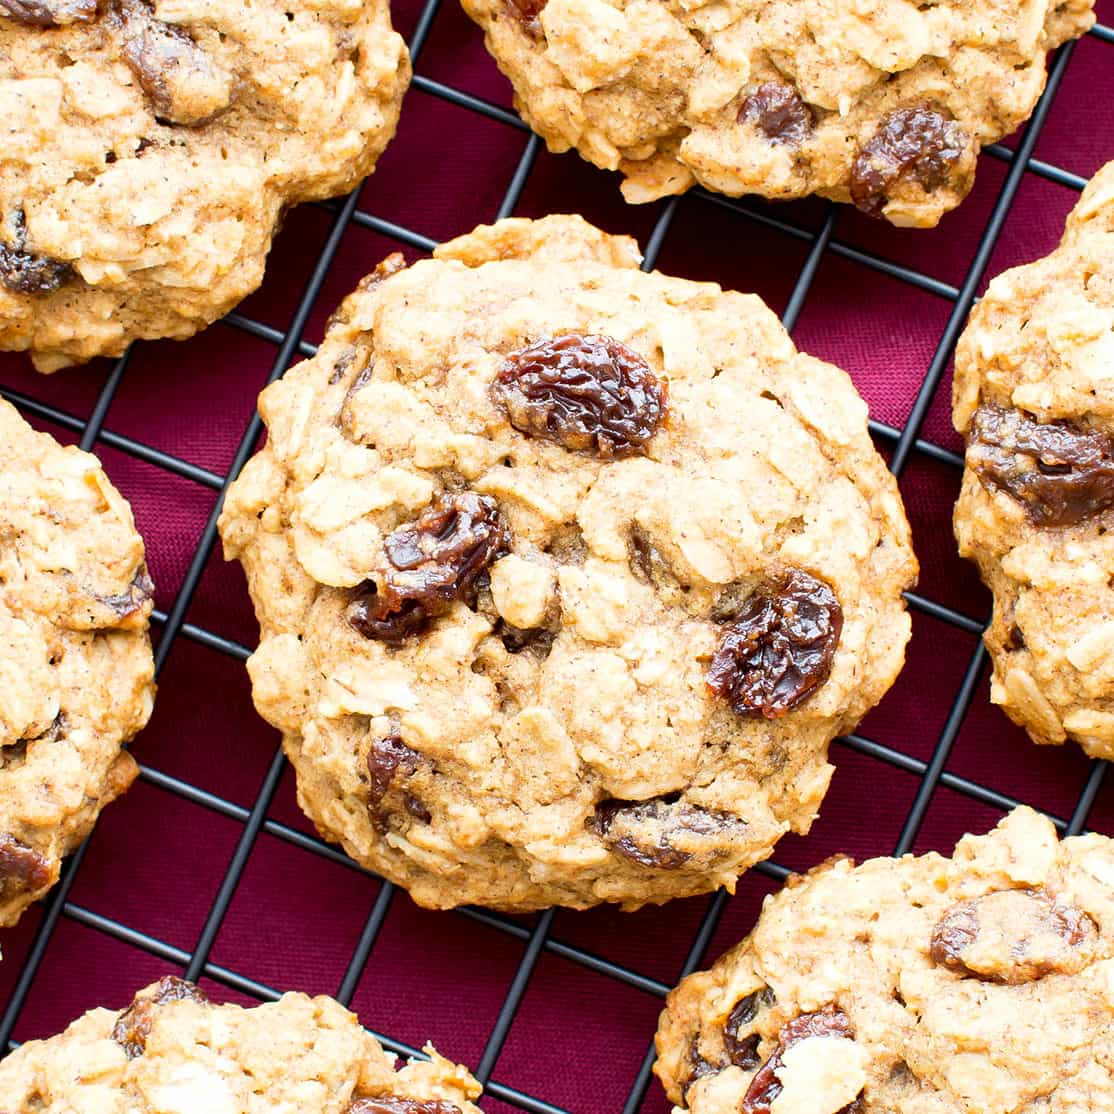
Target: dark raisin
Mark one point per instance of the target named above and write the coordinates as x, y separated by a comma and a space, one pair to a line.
129, 603
22, 868
642, 831
384, 760
389, 1104
24, 272
743, 1051
49, 13
778, 112
528, 14
765, 1086
698, 1068
911, 143
779, 647
133, 1026
538, 640
434, 561
183, 84
586, 393
416, 809
1059, 472
1013, 936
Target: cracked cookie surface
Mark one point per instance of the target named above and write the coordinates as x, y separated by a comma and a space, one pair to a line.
924, 985
76, 671
504, 525
1034, 399
172, 1051
885, 103
148, 149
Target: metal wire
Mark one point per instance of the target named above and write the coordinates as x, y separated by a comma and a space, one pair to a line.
905, 443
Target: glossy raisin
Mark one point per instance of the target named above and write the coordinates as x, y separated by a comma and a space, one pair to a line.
765, 1085
49, 13
742, 1051
129, 603
643, 831
133, 1026
24, 272
434, 561
917, 144
778, 112
1013, 936
1060, 473
390, 1104
586, 393
183, 84
384, 760
22, 868
527, 13
778, 648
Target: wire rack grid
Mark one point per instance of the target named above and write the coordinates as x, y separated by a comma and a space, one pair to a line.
903, 445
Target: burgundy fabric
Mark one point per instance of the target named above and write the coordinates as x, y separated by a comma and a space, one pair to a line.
156, 861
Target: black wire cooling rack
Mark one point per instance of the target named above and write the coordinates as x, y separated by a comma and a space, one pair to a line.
903, 445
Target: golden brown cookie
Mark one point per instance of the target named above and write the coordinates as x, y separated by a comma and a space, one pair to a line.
567, 574
172, 1051
76, 671
921, 985
1035, 398
882, 103
148, 149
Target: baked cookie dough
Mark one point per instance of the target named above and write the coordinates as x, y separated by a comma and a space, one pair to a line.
148, 149
566, 573
1033, 394
76, 672
172, 1051
884, 103
923, 985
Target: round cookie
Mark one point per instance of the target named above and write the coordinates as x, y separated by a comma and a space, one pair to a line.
76, 672
1033, 396
150, 149
172, 1050
566, 573
884, 103
921, 985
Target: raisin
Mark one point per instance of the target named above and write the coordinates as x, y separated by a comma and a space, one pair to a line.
183, 84
49, 13
779, 647
917, 143
765, 1086
435, 561
528, 14
129, 603
778, 112
1061, 474
586, 393
133, 1026
383, 762
22, 868
1013, 936
24, 272
698, 1068
389, 1104
743, 1051
642, 831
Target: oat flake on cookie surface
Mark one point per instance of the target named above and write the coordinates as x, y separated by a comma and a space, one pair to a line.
149, 147
172, 1051
920, 985
567, 574
884, 103
76, 671
1034, 396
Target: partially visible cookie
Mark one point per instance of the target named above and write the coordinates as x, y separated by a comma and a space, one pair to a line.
984, 982
172, 1051
148, 149
567, 574
1034, 395
882, 103
76, 672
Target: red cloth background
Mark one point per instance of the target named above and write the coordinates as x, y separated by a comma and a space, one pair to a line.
579, 1037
